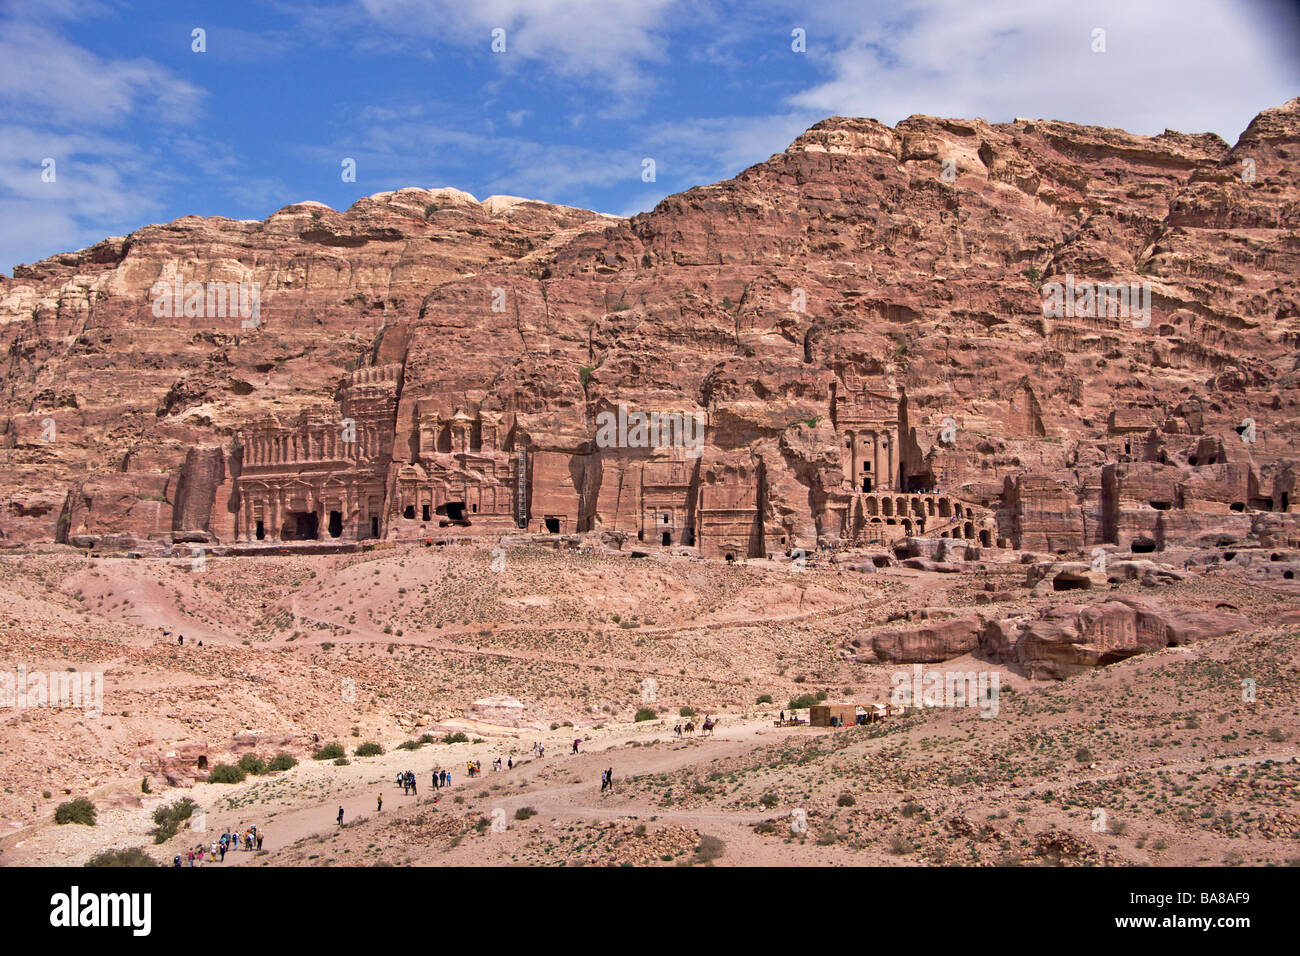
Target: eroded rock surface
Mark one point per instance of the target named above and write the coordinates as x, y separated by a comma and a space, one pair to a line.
842, 346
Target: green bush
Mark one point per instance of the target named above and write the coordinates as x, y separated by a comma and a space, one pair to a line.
226, 773
456, 738
645, 713
687, 712
369, 749
134, 856
144, 788
252, 764
523, 813
282, 762
330, 751
79, 810
802, 702
169, 818
342, 762
765, 699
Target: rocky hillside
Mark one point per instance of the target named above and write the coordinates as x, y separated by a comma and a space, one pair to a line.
923, 255
129, 390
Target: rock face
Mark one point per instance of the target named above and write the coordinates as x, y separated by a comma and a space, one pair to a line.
1069, 639
930, 643
502, 711
1033, 335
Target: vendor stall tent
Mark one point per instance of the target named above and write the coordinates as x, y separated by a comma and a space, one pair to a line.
822, 715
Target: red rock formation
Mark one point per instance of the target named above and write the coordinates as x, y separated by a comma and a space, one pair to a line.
929, 643
855, 328
1070, 639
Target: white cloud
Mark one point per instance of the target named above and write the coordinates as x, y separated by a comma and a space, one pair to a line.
47, 79
59, 100
1191, 65
610, 41
101, 184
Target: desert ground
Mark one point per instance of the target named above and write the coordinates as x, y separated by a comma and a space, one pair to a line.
1161, 757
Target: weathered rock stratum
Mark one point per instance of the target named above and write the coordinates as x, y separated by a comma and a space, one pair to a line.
1031, 335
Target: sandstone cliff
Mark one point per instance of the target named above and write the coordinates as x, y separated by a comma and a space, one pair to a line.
866, 322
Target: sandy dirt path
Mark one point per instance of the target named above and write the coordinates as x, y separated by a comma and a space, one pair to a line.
549, 782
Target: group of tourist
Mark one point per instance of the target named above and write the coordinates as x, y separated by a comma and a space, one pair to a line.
249, 838
441, 779
475, 767
406, 780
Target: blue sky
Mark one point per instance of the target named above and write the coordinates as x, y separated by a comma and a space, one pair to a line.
144, 129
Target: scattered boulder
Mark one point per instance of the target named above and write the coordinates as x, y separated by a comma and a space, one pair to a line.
1069, 639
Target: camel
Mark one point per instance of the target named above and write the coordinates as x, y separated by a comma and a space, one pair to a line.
689, 728
706, 729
